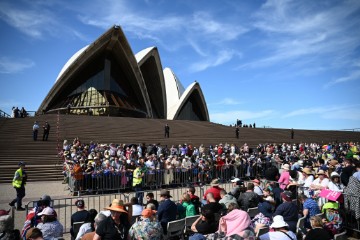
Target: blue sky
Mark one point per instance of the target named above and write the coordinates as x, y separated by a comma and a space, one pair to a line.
283, 64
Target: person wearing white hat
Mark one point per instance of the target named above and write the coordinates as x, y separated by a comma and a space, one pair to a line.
50, 226
285, 176
335, 184
281, 230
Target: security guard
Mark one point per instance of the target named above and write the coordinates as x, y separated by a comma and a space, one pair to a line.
137, 183
18, 183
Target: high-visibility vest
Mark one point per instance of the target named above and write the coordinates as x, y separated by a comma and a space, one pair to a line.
17, 182
137, 179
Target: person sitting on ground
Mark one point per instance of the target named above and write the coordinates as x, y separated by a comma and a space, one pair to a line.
185, 207
212, 204
226, 199
281, 230
288, 210
98, 219
248, 199
150, 199
147, 228
317, 231
50, 226
88, 225
34, 234
310, 208
80, 216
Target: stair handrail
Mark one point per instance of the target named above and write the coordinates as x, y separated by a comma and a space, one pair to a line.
4, 114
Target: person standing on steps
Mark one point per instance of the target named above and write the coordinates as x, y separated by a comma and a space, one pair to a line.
35, 130
18, 183
237, 130
292, 133
46, 128
167, 131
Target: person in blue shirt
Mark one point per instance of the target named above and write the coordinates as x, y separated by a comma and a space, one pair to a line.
310, 208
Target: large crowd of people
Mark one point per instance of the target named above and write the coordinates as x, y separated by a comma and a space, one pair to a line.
287, 185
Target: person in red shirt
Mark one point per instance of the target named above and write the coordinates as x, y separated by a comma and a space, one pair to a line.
215, 190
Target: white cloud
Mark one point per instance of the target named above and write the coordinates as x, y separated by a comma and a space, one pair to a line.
353, 76
230, 116
227, 101
9, 66
222, 57
349, 112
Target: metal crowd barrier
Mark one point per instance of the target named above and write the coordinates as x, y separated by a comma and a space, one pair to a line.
121, 181
65, 207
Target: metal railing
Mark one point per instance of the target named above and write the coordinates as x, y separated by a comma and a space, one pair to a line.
4, 114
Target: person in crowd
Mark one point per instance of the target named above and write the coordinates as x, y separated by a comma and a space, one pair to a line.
147, 228
150, 199
50, 226
46, 131
288, 210
236, 223
116, 226
257, 189
264, 217
268, 196
167, 131
185, 207
194, 199
347, 171
213, 204
317, 231
319, 184
248, 199
98, 219
280, 231
214, 189
79, 216
310, 208
88, 225
34, 234
235, 191
204, 225
308, 180
167, 209
226, 199
335, 184
19, 182
333, 220
138, 175
357, 173
285, 176
7, 231
35, 130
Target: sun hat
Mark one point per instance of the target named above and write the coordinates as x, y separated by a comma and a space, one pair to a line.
278, 222
334, 175
117, 205
235, 180
214, 182
147, 213
307, 171
320, 172
286, 167
166, 193
48, 211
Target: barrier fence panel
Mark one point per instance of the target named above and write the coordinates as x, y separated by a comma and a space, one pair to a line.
120, 181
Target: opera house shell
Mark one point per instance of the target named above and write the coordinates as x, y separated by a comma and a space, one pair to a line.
105, 78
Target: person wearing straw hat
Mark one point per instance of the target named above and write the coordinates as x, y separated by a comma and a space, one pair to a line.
285, 176
281, 230
308, 180
116, 226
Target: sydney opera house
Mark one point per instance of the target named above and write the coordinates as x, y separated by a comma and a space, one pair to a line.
105, 78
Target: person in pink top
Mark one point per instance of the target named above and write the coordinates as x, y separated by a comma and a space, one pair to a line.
236, 222
284, 177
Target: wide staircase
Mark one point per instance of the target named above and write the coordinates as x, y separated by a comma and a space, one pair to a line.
42, 160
